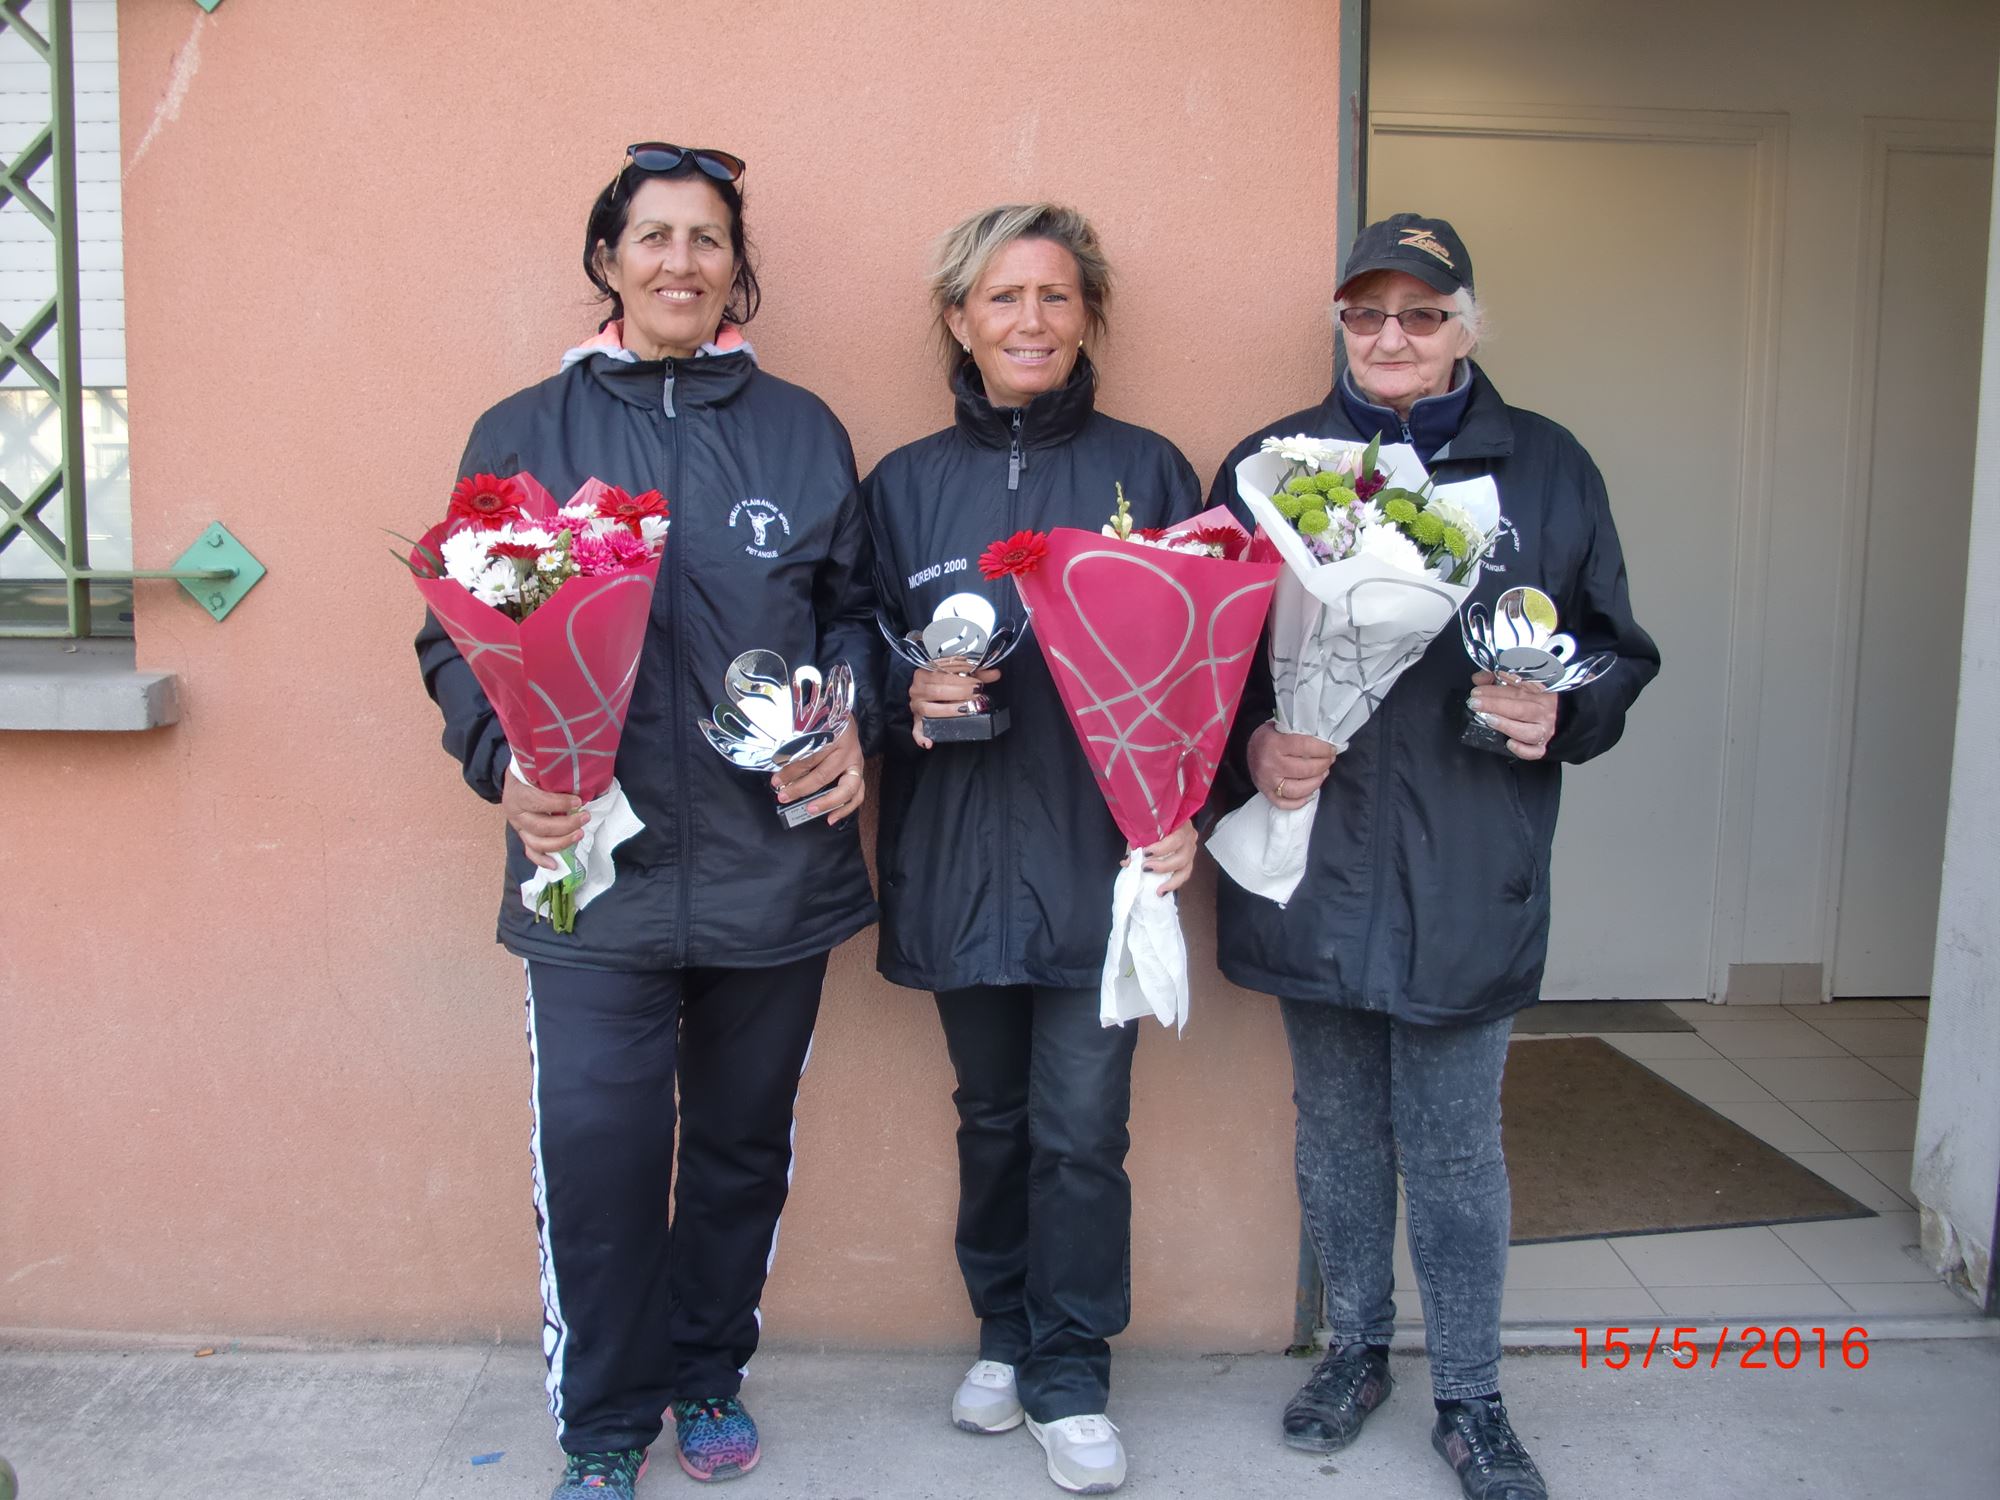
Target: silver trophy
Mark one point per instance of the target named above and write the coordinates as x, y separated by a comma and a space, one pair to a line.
1519, 639
964, 636
775, 716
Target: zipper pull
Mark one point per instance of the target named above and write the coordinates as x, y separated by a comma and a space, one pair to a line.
1406, 435
667, 391
1014, 456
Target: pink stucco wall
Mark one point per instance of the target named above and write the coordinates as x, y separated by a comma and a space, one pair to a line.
263, 1066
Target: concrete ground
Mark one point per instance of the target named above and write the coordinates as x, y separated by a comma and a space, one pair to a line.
357, 1423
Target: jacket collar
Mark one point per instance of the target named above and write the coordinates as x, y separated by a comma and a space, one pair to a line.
1486, 430
1051, 419
712, 377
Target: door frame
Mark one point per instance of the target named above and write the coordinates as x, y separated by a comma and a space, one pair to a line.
1882, 136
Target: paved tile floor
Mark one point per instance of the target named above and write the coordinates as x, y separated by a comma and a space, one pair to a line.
1833, 1086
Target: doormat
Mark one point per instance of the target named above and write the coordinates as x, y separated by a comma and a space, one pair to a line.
1599, 1144
1598, 1015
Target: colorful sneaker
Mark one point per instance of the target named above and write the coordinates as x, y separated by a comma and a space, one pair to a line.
1478, 1441
1085, 1456
715, 1438
601, 1476
987, 1399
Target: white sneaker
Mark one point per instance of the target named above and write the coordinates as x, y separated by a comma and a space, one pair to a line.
1085, 1456
987, 1400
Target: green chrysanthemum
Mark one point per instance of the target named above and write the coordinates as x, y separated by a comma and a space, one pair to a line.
1457, 543
1313, 521
1400, 511
1288, 504
1427, 531
1328, 482
1303, 484
1341, 495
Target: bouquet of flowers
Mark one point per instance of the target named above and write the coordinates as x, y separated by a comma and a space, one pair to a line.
548, 604
1378, 558
1149, 636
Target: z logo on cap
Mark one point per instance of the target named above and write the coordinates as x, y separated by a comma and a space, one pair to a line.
1424, 240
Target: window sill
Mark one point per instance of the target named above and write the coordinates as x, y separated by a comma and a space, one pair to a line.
91, 686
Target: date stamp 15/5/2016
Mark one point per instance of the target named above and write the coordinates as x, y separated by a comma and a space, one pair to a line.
1756, 1348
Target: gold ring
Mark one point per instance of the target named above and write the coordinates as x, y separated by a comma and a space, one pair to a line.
1281, 789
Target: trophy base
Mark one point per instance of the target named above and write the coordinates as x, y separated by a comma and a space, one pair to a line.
796, 813
1480, 737
966, 727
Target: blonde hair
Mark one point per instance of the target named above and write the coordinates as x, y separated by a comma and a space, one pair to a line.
966, 249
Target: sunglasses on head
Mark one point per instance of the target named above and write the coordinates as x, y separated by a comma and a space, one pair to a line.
658, 156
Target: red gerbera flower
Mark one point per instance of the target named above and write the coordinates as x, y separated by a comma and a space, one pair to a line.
614, 504
486, 500
1149, 533
518, 551
1369, 484
1020, 553
1227, 539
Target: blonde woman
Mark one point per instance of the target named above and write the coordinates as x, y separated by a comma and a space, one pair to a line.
997, 856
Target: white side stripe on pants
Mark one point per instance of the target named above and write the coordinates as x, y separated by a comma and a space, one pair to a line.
555, 1332
791, 1165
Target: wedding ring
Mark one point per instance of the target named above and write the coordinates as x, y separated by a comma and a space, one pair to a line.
1281, 789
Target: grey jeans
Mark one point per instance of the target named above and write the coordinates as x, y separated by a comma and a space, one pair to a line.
1374, 1092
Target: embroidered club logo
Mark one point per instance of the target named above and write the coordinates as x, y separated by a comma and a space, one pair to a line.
768, 526
1424, 240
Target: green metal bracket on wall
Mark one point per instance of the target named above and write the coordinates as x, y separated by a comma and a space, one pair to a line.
217, 571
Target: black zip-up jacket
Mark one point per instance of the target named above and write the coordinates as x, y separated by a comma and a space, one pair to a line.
767, 547
1426, 893
997, 857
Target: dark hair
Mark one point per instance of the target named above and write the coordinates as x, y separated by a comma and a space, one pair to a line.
613, 211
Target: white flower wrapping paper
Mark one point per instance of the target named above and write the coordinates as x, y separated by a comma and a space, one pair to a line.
611, 822
1146, 964
1341, 633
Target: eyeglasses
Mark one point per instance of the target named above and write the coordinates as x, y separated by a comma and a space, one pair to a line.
1417, 322
658, 156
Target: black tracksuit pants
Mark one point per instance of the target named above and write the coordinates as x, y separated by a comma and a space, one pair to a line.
636, 1313
1044, 1205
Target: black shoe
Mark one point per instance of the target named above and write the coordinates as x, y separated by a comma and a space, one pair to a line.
1328, 1411
1477, 1440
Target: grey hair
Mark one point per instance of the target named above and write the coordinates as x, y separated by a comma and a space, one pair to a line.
1471, 311
966, 249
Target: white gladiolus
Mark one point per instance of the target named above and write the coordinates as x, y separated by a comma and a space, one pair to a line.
1315, 453
1387, 544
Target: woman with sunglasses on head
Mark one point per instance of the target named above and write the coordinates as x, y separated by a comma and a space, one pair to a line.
1421, 924
998, 855
700, 968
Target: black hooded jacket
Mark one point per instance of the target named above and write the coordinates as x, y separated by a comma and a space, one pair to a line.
767, 548
1426, 892
997, 857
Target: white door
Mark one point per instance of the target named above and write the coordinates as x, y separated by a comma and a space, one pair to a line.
1918, 413
1627, 293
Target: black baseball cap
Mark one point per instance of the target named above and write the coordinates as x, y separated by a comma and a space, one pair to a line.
1428, 249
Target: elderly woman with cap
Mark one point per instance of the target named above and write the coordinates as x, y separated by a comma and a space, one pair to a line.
1421, 925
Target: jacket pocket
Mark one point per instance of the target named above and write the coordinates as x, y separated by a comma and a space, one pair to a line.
1528, 884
